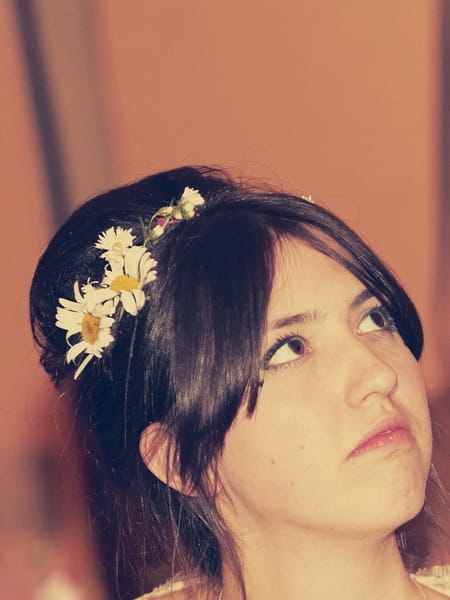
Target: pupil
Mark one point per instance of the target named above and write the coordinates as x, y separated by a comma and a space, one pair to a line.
296, 346
378, 319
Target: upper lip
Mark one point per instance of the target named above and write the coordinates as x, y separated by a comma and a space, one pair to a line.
382, 426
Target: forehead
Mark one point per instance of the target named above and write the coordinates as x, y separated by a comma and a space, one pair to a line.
306, 279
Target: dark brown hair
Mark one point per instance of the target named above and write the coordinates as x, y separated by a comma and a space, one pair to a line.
187, 359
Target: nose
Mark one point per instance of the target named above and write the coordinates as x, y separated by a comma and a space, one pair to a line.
369, 372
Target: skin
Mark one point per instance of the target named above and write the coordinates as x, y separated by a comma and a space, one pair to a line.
300, 500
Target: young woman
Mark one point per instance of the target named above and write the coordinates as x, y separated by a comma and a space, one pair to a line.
245, 379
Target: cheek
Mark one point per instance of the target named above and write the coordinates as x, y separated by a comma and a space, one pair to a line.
276, 452
411, 394
411, 386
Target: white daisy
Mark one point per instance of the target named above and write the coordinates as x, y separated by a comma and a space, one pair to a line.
185, 208
116, 241
191, 196
166, 215
156, 232
90, 318
128, 279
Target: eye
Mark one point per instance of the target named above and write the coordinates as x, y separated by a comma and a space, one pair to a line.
377, 319
285, 350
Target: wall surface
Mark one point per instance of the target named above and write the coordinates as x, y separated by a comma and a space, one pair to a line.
338, 100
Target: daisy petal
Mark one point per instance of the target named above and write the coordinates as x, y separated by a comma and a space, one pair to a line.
147, 264
77, 293
156, 232
96, 300
129, 303
71, 330
132, 260
192, 196
105, 339
139, 298
115, 238
69, 304
66, 317
75, 350
86, 360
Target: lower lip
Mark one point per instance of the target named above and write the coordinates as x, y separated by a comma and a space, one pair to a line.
386, 439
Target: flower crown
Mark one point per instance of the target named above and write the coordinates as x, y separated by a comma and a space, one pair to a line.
129, 268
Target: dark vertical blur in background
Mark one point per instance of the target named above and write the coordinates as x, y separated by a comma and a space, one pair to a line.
346, 101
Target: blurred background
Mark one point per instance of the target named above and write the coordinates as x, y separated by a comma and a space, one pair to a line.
347, 101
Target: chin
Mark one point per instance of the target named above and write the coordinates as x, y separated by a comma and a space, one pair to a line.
400, 509
410, 512
399, 494
385, 508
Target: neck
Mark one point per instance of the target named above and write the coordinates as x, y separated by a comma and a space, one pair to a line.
320, 567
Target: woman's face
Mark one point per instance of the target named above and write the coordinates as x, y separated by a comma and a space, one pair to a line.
340, 439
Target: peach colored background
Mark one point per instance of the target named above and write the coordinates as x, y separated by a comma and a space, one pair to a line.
336, 99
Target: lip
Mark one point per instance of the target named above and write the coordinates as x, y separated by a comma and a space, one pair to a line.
385, 433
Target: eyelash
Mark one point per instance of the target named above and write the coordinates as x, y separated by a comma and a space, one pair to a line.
379, 309
279, 343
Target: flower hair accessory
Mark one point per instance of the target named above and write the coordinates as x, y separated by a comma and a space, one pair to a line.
129, 268
169, 215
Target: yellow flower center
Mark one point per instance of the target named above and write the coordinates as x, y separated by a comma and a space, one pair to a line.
124, 283
90, 328
117, 247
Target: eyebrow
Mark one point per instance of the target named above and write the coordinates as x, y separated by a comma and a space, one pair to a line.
362, 297
314, 316
300, 318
